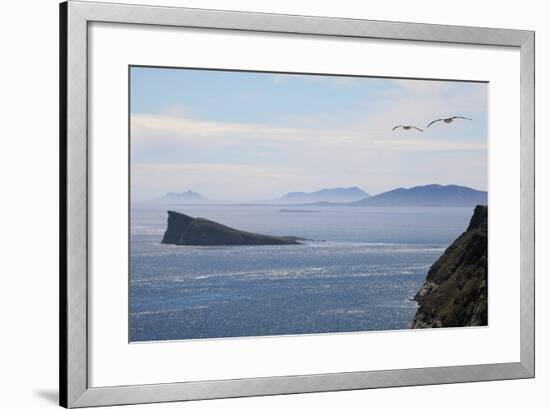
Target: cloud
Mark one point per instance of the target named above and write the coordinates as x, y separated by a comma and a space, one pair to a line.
152, 127
175, 150
427, 145
421, 101
159, 129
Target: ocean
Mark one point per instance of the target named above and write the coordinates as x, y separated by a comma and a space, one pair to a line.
358, 273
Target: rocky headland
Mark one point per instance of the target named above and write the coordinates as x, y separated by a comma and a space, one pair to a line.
455, 291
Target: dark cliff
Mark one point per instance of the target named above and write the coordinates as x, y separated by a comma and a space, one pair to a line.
189, 231
455, 291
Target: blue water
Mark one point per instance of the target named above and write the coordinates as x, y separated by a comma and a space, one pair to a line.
359, 273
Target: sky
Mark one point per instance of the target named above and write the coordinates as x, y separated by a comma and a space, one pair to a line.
254, 136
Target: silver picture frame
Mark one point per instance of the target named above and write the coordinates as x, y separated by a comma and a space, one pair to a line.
75, 16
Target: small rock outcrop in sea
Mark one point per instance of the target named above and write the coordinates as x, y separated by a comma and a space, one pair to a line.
184, 230
455, 291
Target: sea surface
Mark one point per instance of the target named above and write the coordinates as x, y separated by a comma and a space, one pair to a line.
358, 273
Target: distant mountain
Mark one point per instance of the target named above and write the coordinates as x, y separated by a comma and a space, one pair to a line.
183, 197
428, 195
336, 195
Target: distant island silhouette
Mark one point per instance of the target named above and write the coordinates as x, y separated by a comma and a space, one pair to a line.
337, 195
428, 195
183, 197
418, 196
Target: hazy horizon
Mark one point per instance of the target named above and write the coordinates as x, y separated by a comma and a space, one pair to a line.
237, 200
243, 136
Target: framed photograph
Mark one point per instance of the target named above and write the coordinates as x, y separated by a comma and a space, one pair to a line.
258, 204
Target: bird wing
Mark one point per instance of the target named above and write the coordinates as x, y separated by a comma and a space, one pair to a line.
434, 121
461, 117
418, 129
395, 127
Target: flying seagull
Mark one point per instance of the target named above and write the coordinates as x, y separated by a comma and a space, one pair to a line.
407, 128
448, 120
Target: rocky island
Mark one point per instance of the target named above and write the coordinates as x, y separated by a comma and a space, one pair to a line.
455, 291
427, 195
185, 230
